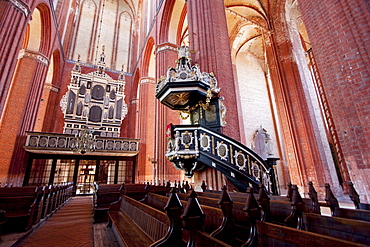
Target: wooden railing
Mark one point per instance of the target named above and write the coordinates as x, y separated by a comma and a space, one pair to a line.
40, 142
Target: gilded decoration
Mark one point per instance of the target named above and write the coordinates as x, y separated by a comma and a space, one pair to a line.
256, 172
240, 161
187, 139
222, 150
205, 142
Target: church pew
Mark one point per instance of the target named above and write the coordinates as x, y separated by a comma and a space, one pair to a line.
222, 221
19, 191
204, 239
138, 191
356, 198
356, 231
332, 202
193, 221
237, 207
135, 223
270, 234
104, 195
53, 198
48, 191
309, 203
214, 214
288, 213
65, 193
17, 201
280, 212
356, 214
19, 212
40, 205
159, 201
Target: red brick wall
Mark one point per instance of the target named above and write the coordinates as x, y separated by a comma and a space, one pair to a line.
339, 32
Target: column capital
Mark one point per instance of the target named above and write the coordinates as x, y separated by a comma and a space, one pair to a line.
167, 47
34, 55
51, 87
21, 6
134, 101
147, 80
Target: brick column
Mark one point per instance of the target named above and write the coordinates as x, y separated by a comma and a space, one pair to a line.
146, 128
166, 56
208, 35
303, 155
20, 114
342, 53
14, 18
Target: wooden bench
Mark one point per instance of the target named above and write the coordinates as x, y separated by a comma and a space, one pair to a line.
279, 212
135, 223
310, 204
356, 198
139, 191
19, 212
223, 221
49, 202
104, 195
332, 202
212, 221
270, 234
346, 229
20, 204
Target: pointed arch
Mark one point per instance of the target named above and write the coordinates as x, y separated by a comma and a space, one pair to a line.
123, 53
148, 58
45, 14
37, 37
173, 21
49, 104
165, 21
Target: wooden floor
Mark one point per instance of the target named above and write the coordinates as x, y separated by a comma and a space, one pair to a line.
104, 237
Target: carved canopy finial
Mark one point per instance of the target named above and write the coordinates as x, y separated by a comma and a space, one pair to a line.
121, 76
77, 66
183, 51
101, 64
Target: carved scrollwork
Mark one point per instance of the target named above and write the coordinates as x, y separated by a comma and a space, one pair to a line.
187, 139
240, 161
256, 171
222, 150
266, 179
205, 142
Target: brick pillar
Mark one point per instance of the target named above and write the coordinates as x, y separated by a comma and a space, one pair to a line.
208, 35
47, 110
20, 114
146, 128
342, 53
14, 18
301, 145
166, 56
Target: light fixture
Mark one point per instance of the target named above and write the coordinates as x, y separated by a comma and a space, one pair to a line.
84, 141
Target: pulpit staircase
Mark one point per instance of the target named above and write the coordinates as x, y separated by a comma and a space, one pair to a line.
192, 147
